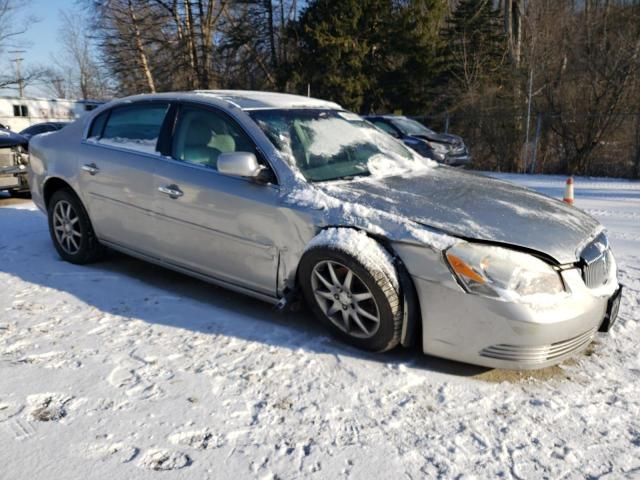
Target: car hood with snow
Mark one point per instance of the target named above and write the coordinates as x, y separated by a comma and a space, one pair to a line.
476, 207
448, 138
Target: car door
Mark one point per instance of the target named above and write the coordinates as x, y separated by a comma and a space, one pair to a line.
117, 163
211, 223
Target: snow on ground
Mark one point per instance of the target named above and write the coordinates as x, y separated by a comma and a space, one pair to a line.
126, 370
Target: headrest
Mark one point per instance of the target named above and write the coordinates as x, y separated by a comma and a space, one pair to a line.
223, 142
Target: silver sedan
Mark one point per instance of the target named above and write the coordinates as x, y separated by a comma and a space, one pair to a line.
280, 196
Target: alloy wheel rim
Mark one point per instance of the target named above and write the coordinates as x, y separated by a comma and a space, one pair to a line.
66, 226
345, 299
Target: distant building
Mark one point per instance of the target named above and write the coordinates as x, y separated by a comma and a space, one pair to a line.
17, 113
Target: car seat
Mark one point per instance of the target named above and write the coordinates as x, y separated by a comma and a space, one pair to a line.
196, 137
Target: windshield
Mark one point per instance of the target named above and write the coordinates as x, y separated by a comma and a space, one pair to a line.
411, 127
330, 144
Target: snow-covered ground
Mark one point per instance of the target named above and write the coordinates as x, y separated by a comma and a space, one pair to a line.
125, 370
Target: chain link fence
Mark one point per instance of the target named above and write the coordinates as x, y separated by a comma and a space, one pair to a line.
500, 142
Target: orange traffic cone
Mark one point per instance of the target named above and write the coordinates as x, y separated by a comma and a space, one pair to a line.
568, 191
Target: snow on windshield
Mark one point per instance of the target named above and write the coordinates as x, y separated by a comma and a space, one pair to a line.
329, 144
411, 127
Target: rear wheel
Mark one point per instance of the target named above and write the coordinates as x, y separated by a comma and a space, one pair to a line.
71, 229
359, 305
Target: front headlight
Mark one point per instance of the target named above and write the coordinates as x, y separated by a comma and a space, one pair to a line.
503, 273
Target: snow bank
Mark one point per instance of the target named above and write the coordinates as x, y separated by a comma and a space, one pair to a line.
162, 460
160, 367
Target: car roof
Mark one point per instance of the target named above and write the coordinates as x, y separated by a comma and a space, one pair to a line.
40, 124
385, 117
244, 99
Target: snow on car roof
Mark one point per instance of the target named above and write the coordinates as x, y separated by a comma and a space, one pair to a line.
247, 99
250, 100
389, 116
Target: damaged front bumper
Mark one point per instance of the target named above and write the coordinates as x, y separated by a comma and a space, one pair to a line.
499, 334
13, 174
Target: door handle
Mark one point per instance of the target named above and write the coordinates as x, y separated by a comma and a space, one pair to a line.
172, 190
92, 168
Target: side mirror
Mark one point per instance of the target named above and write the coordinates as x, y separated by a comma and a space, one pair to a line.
239, 164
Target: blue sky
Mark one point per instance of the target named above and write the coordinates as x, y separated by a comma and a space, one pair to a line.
41, 39
42, 36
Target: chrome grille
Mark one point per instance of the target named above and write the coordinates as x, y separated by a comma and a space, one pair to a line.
596, 262
541, 353
597, 274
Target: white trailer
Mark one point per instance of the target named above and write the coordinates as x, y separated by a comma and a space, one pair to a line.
18, 113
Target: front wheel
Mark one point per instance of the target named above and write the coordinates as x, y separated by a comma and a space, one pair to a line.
358, 304
71, 230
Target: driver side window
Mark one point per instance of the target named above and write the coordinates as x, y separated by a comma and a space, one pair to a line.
202, 135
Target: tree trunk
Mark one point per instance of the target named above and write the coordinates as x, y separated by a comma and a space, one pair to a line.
206, 27
637, 142
516, 25
512, 13
508, 29
144, 63
191, 44
272, 35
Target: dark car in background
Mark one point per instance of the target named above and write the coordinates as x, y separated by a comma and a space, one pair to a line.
442, 147
13, 162
45, 127
14, 155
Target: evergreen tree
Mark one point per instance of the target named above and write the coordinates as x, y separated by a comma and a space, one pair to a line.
474, 50
367, 54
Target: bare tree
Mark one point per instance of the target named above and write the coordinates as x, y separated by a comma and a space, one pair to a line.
195, 24
512, 14
9, 27
77, 72
125, 31
12, 27
589, 63
255, 43
154, 45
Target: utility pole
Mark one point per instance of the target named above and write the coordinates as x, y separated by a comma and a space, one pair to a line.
18, 73
529, 99
58, 84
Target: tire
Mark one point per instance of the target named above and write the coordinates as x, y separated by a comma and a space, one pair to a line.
71, 230
385, 299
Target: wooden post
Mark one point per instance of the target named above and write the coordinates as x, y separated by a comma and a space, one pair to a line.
637, 142
535, 142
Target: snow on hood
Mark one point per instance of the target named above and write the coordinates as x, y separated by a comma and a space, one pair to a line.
358, 214
472, 206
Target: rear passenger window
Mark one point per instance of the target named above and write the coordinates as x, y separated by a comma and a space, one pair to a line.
136, 127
